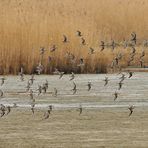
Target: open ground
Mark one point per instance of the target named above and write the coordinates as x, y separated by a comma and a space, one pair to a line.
103, 122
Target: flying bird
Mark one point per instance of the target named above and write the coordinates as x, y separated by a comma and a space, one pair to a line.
21, 73
143, 54
115, 95
31, 94
42, 50
91, 50
72, 76
1, 93
122, 77
32, 79
53, 48
83, 41
80, 109
133, 37
3, 81
79, 34
65, 40
8, 108
55, 92
74, 88
89, 86
130, 74
120, 85
102, 45
106, 81
39, 89
81, 62
113, 45
141, 62
131, 108
39, 68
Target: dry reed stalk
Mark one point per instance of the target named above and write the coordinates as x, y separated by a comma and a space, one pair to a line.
26, 26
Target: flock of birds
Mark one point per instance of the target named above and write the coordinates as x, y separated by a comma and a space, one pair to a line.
5, 110
42, 89
131, 43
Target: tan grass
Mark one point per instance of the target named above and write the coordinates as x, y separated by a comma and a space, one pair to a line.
26, 25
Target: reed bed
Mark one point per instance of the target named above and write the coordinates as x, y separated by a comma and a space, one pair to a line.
26, 26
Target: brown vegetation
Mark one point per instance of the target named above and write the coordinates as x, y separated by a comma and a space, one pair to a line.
26, 25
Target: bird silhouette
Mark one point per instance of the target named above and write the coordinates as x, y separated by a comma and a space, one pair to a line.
83, 41
79, 34
74, 88
65, 40
131, 108
130, 74
102, 45
89, 86
106, 81
80, 109
72, 76
115, 96
55, 92
120, 85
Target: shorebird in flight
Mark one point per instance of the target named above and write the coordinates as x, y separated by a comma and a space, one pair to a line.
46, 114
80, 109
55, 92
141, 62
32, 79
131, 108
113, 45
28, 86
83, 41
142, 54
42, 50
39, 68
53, 48
133, 50
102, 45
89, 86
116, 60
81, 62
72, 76
134, 38
122, 77
50, 107
1, 93
21, 73
46, 84
125, 43
74, 88
44, 88
65, 40
32, 107
79, 34
3, 81
130, 60
2, 108
31, 94
130, 74
120, 85
115, 95
59, 73
91, 50
39, 89
106, 81
8, 108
